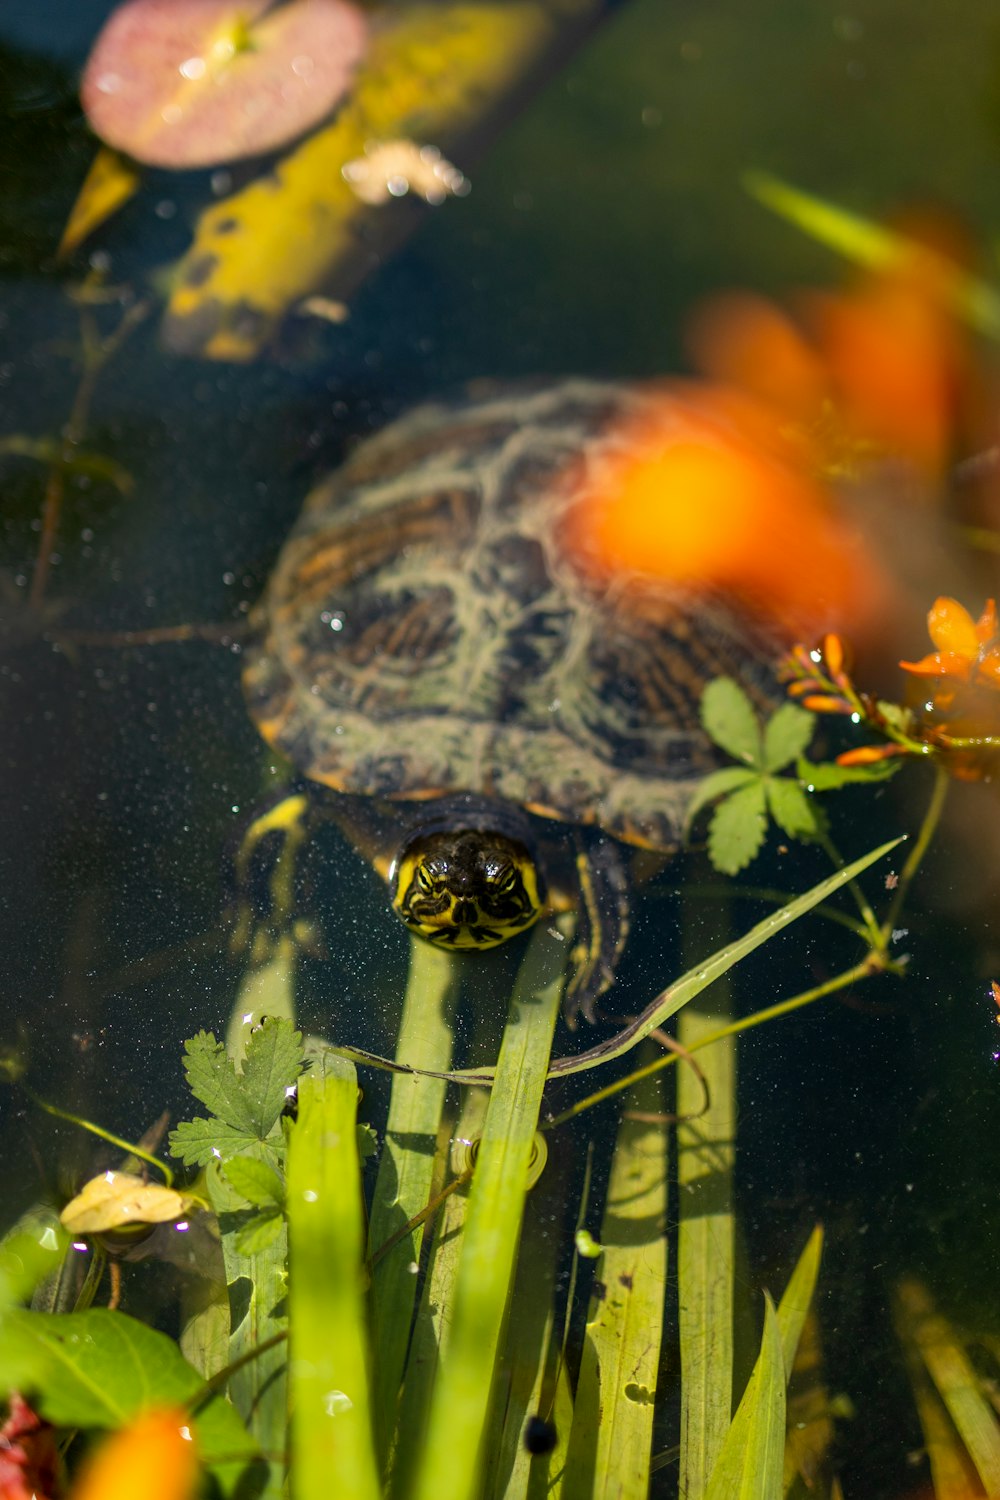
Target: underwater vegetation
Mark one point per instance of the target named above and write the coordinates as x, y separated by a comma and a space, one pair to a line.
438, 1243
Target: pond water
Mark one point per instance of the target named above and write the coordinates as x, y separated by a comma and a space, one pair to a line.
605, 209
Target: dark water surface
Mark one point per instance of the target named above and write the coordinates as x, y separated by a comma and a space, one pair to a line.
607, 207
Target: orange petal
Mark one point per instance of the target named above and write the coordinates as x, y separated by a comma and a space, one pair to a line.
952, 628
988, 668
700, 500
867, 755
824, 703
751, 344
986, 625
154, 1456
937, 665
833, 653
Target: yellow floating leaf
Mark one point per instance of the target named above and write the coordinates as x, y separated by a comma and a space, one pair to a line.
111, 182
436, 75
120, 1200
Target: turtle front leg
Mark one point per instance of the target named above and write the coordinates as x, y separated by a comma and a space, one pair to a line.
602, 924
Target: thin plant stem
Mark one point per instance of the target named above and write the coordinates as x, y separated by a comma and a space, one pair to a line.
869, 965
101, 1133
96, 354
928, 828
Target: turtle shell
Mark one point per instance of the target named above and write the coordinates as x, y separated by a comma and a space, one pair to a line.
427, 630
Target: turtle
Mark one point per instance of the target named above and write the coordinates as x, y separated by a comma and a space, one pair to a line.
495, 724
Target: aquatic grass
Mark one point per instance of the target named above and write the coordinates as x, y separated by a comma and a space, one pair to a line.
750, 1464
751, 1461
332, 1441
872, 245
706, 1150
611, 1439
526, 1374
927, 1334
450, 1466
406, 1167
432, 1325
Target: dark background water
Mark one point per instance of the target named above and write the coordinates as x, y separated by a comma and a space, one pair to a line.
606, 209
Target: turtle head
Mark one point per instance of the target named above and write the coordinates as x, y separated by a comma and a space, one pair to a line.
468, 888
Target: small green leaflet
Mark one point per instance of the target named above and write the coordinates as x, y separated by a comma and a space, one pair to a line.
246, 1106
751, 794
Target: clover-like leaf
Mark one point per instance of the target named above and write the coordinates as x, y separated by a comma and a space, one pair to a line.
786, 735
729, 719
737, 829
258, 1233
718, 784
256, 1181
212, 1078
791, 808
272, 1065
199, 1141
827, 776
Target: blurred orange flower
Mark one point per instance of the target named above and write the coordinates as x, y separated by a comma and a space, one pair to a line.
153, 1457
880, 370
967, 649
708, 496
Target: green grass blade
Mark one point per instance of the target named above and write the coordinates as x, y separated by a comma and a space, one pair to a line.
432, 1327
751, 1462
528, 1366
256, 1281
611, 1440
866, 243
706, 1235
691, 984
450, 1466
798, 1294
406, 1167
930, 1334
332, 1445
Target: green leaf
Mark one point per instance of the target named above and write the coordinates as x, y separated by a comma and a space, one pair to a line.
213, 1079
101, 1369
271, 1067
200, 1141
895, 714
750, 1464
719, 784
256, 1181
827, 776
729, 719
258, 1233
737, 829
786, 735
791, 808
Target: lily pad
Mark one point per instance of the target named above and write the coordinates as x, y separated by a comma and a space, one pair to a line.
192, 83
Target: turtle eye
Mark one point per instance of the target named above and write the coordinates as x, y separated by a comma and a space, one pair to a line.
506, 879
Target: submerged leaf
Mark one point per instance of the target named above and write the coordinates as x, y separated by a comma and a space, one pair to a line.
111, 181
737, 830
271, 1067
827, 776
729, 719
791, 808
192, 83
718, 784
198, 1142
256, 1181
786, 735
213, 1079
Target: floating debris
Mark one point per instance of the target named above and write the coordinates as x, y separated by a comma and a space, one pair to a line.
391, 169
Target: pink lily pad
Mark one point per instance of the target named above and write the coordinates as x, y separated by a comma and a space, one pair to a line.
193, 83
